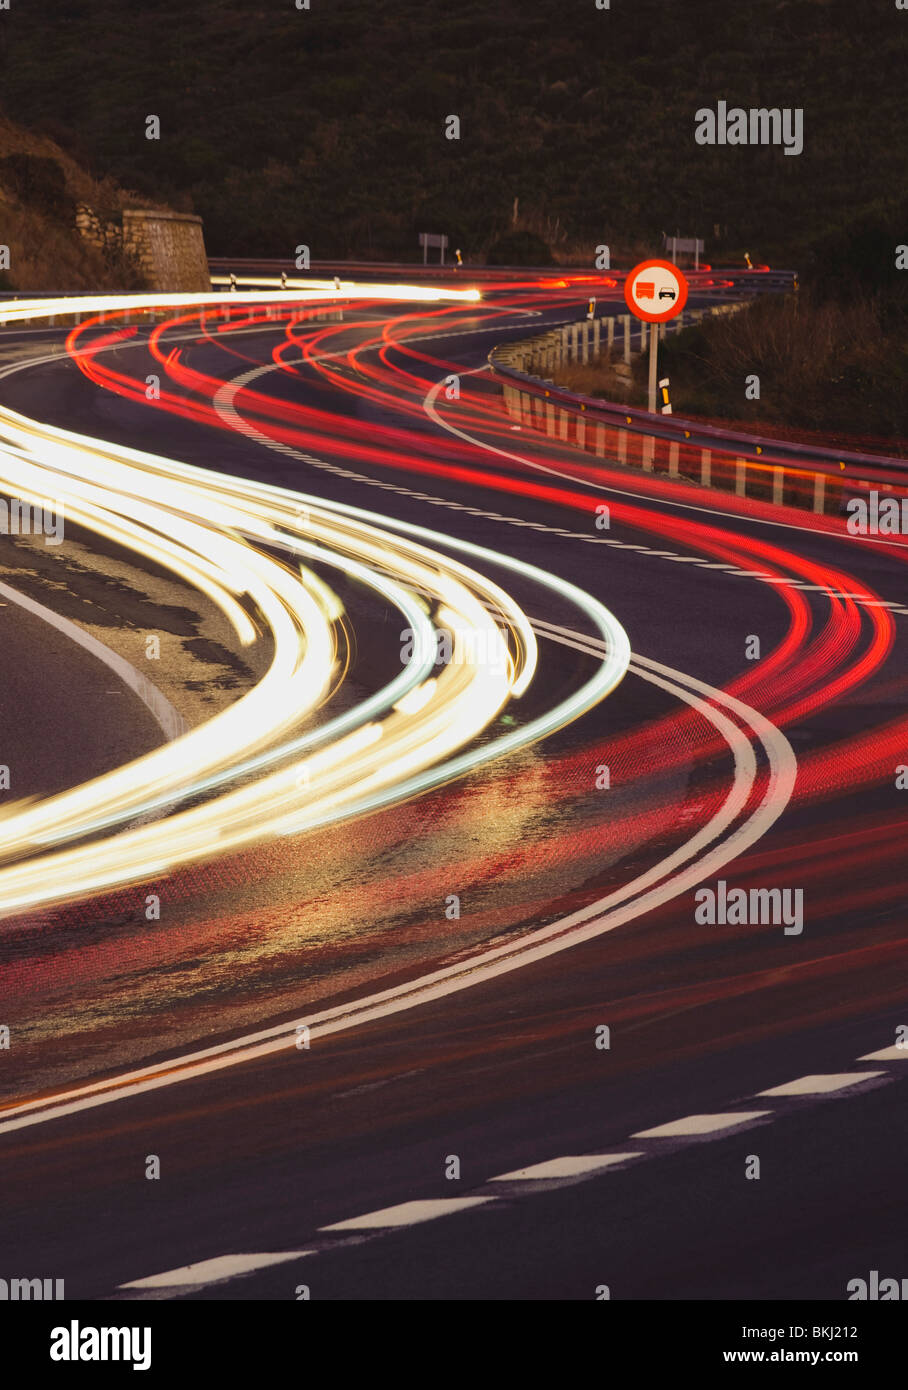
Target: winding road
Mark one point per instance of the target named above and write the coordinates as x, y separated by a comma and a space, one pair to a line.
386, 977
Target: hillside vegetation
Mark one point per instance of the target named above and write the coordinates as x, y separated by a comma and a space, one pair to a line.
326, 126
831, 359
40, 189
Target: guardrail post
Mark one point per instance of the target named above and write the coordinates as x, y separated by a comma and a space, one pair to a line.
585, 344
778, 483
819, 492
622, 446
610, 340
627, 337
673, 460
643, 328
706, 466
597, 336
575, 339
741, 477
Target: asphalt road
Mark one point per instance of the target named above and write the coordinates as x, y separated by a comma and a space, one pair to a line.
66, 717
258, 1158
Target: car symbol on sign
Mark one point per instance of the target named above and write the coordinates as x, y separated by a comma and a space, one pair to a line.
667, 294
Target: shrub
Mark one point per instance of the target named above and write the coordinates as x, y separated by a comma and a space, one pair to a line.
38, 183
520, 248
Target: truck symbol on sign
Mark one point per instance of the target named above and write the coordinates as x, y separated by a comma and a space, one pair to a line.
645, 289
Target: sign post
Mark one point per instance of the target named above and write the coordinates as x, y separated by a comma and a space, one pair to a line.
653, 369
655, 291
685, 245
427, 239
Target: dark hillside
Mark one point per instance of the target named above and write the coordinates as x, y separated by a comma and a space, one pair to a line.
326, 126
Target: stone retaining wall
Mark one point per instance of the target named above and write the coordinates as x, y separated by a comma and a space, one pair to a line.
168, 247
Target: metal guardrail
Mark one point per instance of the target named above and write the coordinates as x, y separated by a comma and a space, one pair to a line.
634, 441
777, 470
739, 280
579, 341
675, 427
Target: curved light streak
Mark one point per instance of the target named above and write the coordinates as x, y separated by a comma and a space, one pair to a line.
224, 537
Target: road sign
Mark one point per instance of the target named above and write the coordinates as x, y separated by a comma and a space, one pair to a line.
684, 245
655, 291
427, 239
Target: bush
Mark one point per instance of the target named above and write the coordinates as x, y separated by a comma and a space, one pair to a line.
858, 262
520, 248
38, 183
823, 364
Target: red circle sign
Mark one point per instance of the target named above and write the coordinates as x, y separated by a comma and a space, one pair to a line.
655, 291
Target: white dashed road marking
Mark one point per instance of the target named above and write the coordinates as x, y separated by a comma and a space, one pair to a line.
519, 1183
407, 1214
821, 1085
694, 1125
575, 1166
214, 1271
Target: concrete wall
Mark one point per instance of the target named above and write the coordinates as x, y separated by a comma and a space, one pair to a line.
169, 247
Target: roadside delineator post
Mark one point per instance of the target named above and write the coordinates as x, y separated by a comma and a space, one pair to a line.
778, 483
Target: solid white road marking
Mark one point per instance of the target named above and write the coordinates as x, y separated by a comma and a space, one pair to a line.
604, 915
168, 719
430, 410
887, 1054
614, 910
224, 406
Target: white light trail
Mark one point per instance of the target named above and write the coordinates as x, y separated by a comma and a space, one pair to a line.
227, 537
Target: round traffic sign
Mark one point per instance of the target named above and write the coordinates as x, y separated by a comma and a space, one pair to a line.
655, 291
